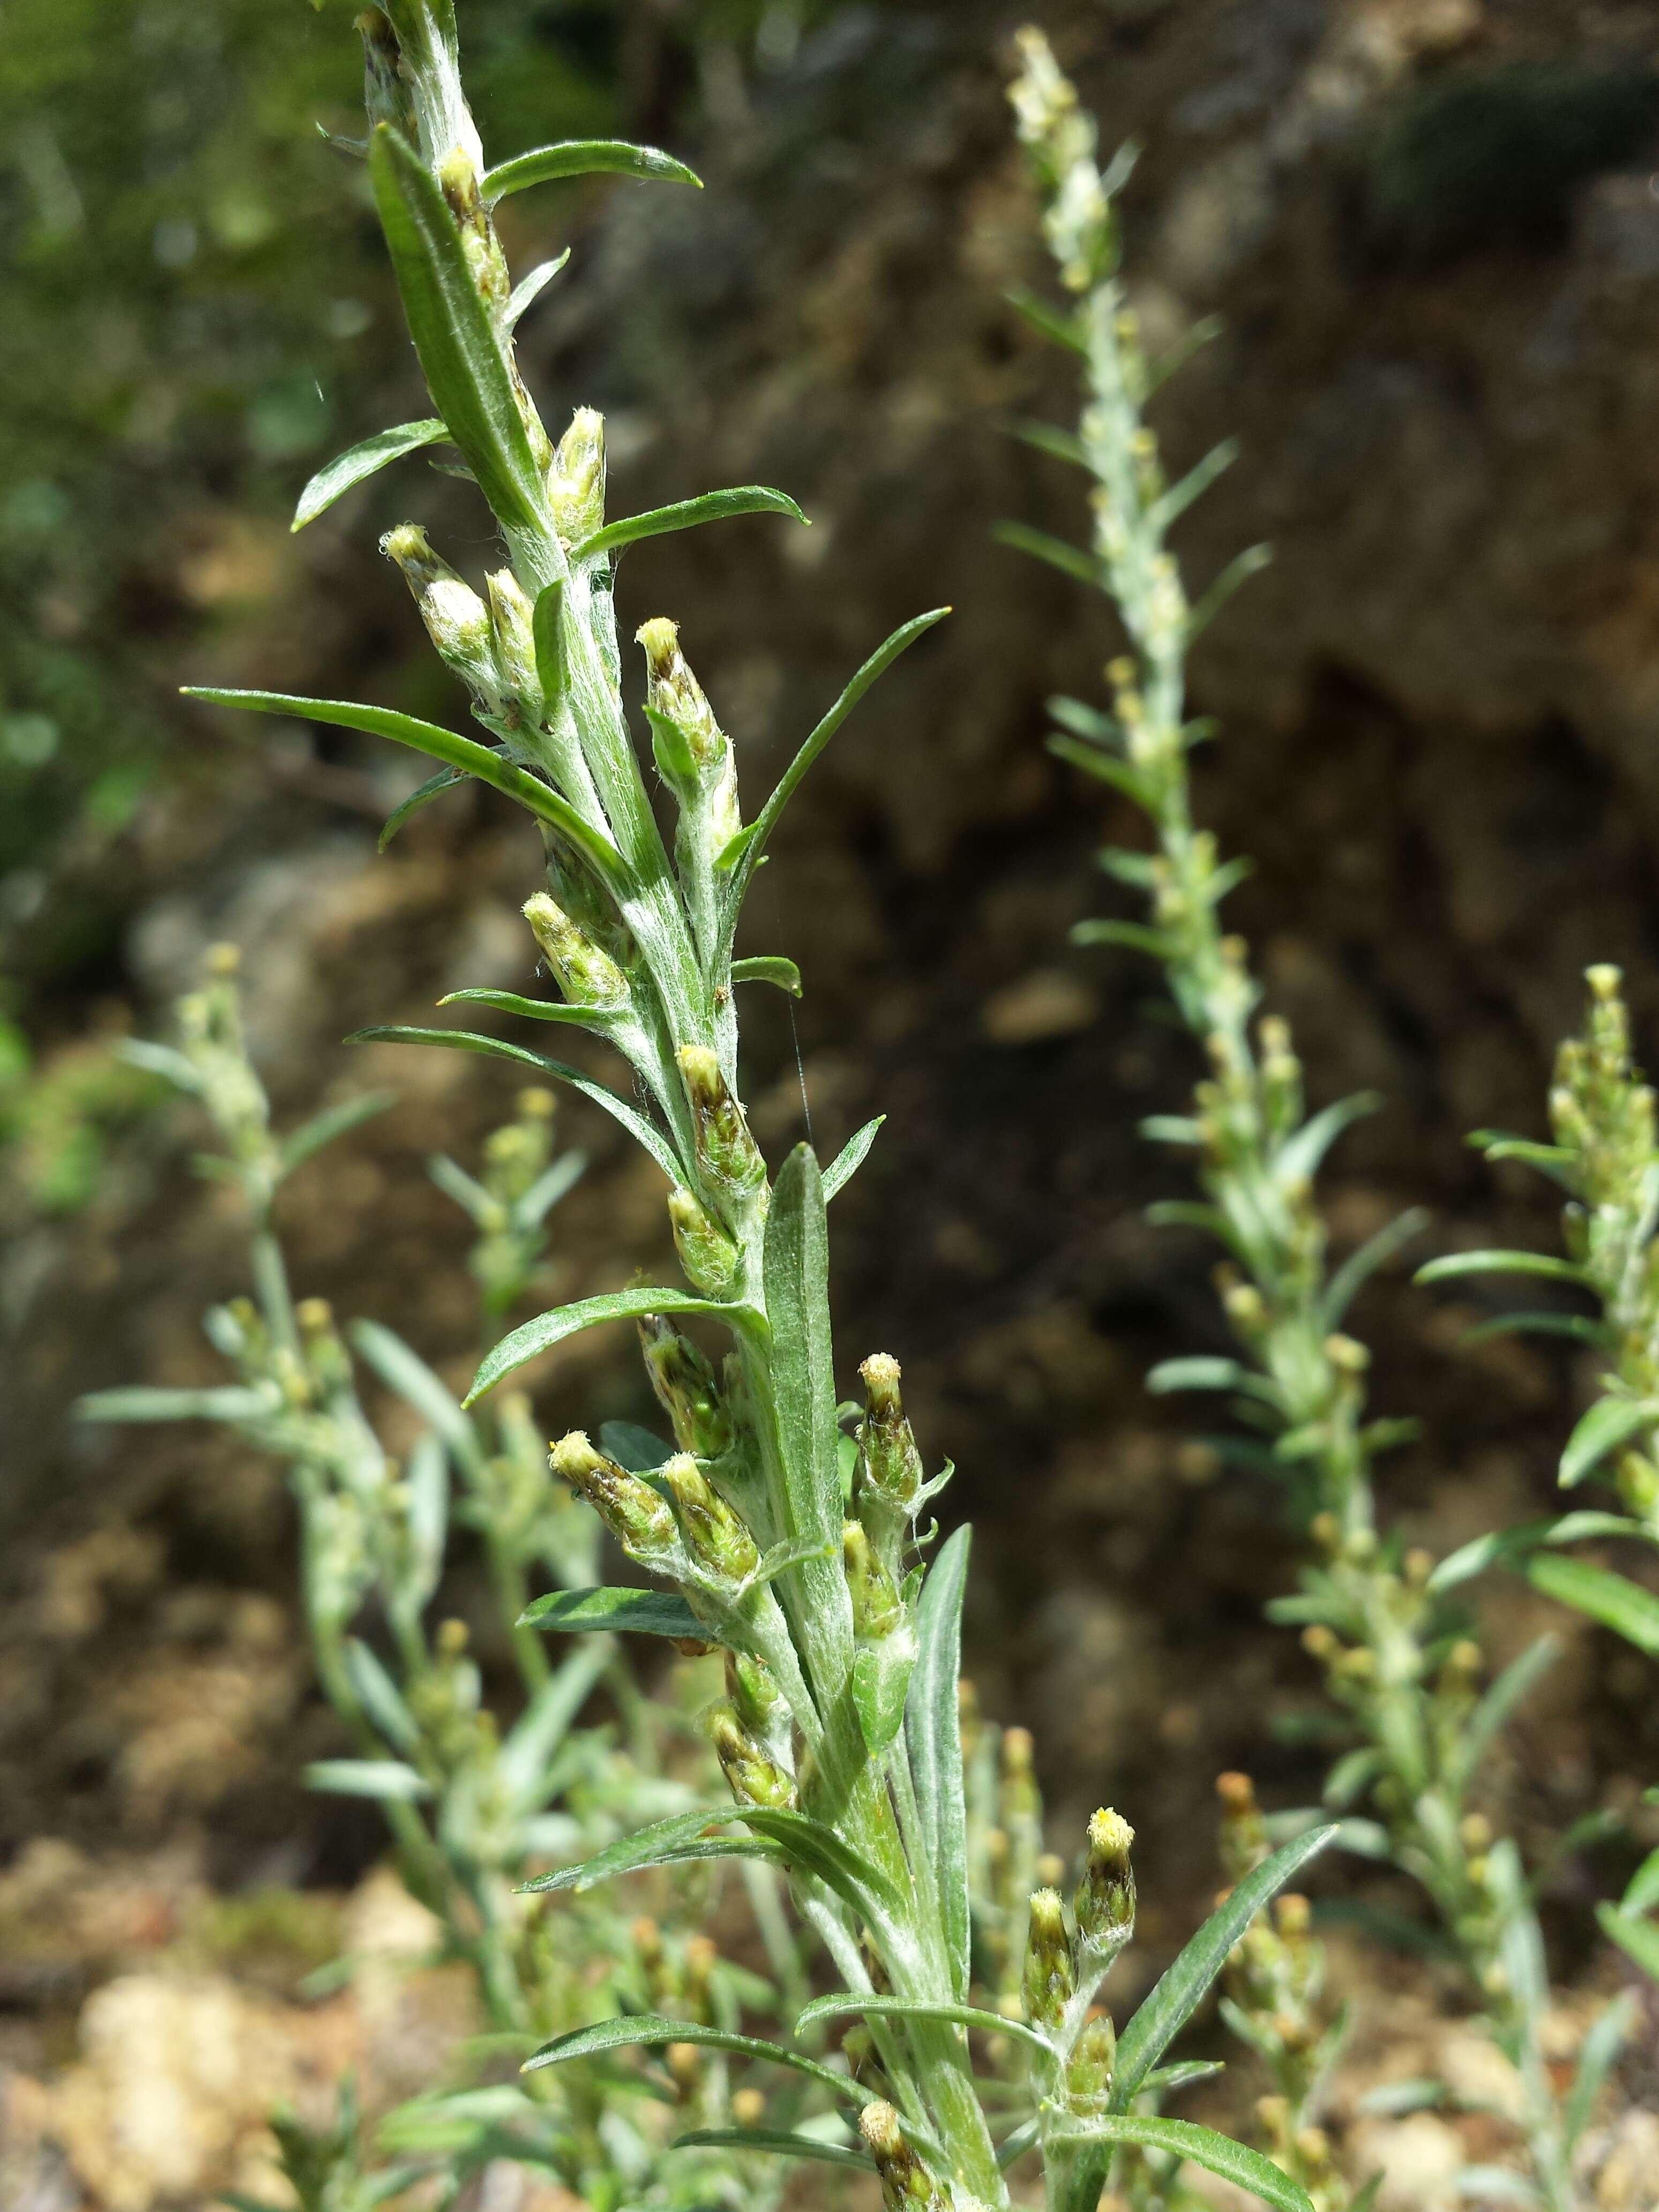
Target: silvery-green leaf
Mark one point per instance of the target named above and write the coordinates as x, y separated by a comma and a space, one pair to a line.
664, 1842
385, 1778
360, 462
851, 1157
529, 289
227, 1402
768, 967
785, 2145
545, 1721
643, 1612
322, 1128
1217, 2154
1609, 1423
585, 157
653, 2031
1613, 1600
1182, 1986
408, 1374
686, 514
932, 1734
871, 2006
446, 778
465, 369
539, 1335
380, 1696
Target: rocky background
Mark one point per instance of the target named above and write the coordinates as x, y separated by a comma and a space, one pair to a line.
1432, 229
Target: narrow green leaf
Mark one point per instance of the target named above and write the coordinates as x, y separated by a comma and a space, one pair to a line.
1499, 1263
502, 775
1502, 1697
1298, 1158
405, 1371
1062, 445
1182, 1987
1607, 2034
783, 2144
1618, 1603
889, 2008
527, 1753
585, 157
1170, 1129
1180, 497
932, 1735
1238, 571
360, 462
796, 1269
553, 1183
1375, 1252
1201, 1371
850, 1158
1609, 1423
464, 362
529, 289
816, 1850
387, 1779
1218, 2154
601, 1020
1071, 561
1579, 1326
1104, 767
768, 967
547, 1329
686, 514
643, 1132
655, 2030
1065, 330
1637, 1939
663, 1843
1013, 2146
1136, 936
446, 778
380, 1696
1641, 1892
644, 1612
226, 1402
745, 849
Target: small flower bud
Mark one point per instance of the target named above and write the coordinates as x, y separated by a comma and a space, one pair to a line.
858, 2049
753, 1777
755, 1696
1320, 1643
889, 1465
710, 1259
877, 1609
575, 482
1346, 1355
1604, 979
1293, 1915
749, 2107
715, 1536
1050, 1977
1105, 1901
456, 618
511, 618
674, 692
686, 1389
685, 2063
1050, 1870
1089, 2069
724, 1146
904, 2182
641, 1522
587, 976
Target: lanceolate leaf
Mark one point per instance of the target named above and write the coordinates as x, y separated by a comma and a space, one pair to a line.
547, 1329
653, 2030
1609, 1423
1499, 1263
1299, 1155
933, 1737
405, 1371
465, 367
385, 1778
585, 157
644, 1133
819, 1850
1219, 2154
322, 1128
851, 1157
446, 778
748, 844
1637, 1939
1182, 1987
225, 1402
889, 2008
1618, 1603
462, 753
1071, 560
663, 1842
785, 2145
768, 967
795, 1268
529, 289
685, 514
361, 462
646, 1613
598, 1019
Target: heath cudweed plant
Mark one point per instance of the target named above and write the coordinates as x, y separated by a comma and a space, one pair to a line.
1402, 1667
782, 1525
474, 1806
